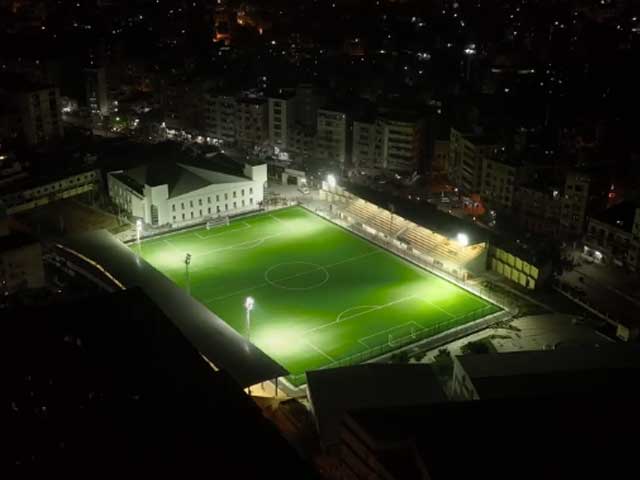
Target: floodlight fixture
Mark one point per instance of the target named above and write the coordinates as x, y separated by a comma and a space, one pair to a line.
331, 181
463, 239
249, 303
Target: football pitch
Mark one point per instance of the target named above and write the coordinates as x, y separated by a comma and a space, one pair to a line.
323, 296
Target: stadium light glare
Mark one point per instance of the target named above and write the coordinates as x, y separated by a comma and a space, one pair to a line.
331, 181
249, 303
463, 239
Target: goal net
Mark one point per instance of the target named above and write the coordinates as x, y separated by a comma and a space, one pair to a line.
217, 222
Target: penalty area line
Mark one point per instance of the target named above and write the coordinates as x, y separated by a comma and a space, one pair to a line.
320, 351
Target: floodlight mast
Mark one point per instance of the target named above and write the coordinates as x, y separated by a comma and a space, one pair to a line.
187, 262
248, 305
138, 232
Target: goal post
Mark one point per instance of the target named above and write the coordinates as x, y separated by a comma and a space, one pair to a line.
217, 222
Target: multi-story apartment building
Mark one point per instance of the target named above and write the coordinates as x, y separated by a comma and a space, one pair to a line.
37, 107
537, 208
574, 203
466, 160
364, 144
400, 141
613, 235
393, 141
252, 121
440, 157
96, 90
220, 116
281, 118
307, 103
332, 138
301, 143
500, 179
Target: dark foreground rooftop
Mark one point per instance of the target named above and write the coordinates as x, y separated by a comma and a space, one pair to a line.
551, 438
108, 386
209, 334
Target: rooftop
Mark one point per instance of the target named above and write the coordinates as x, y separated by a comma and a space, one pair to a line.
523, 438
425, 215
183, 173
535, 373
335, 391
108, 384
209, 334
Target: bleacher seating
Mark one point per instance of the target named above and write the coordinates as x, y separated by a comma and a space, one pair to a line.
417, 237
376, 217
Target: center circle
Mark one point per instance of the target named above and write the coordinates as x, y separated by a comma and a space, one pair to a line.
296, 276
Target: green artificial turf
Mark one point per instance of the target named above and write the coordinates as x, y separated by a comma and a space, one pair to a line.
323, 296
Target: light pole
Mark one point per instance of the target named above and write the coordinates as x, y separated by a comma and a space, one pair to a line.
470, 51
187, 262
138, 232
248, 306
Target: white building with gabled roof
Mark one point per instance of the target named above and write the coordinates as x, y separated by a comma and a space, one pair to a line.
190, 191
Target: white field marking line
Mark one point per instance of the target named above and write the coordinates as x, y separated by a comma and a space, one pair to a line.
359, 307
375, 308
264, 284
172, 246
318, 268
436, 306
382, 332
251, 243
277, 219
205, 237
319, 350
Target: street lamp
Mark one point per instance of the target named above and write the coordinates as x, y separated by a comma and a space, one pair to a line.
187, 262
138, 232
248, 306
